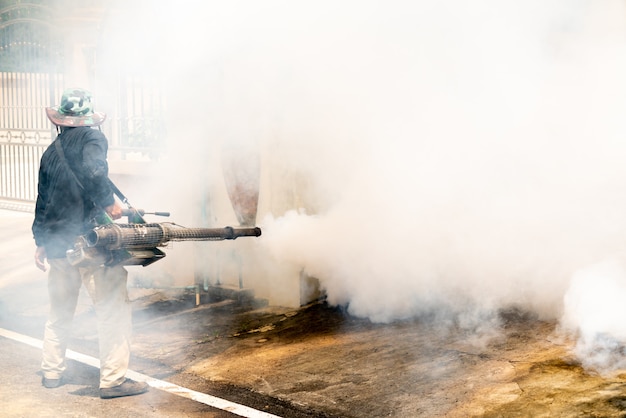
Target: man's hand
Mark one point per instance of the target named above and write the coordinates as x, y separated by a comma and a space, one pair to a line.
114, 211
40, 258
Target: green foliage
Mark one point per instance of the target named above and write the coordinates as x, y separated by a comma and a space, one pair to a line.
27, 42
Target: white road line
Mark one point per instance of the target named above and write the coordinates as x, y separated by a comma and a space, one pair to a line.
215, 402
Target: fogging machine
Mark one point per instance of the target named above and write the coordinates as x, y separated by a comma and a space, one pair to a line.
135, 243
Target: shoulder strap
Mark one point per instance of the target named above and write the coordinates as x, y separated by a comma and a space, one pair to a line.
61, 154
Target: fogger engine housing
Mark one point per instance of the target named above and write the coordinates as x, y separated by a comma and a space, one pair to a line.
135, 244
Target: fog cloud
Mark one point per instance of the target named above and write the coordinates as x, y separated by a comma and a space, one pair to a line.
450, 155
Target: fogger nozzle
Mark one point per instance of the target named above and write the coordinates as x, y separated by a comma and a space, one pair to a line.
131, 212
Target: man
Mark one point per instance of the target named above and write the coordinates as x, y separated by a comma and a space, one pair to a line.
73, 186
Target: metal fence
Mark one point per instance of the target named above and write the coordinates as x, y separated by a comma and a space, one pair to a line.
19, 164
25, 132
135, 119
30, 80
134, 125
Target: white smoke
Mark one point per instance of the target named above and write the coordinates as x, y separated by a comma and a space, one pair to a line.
456, 156
594, 311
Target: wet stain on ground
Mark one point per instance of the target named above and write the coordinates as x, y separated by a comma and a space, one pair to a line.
319, 358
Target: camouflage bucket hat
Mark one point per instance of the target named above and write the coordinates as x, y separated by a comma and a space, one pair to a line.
76, 109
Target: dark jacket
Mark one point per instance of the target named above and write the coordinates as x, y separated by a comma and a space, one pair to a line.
64, 210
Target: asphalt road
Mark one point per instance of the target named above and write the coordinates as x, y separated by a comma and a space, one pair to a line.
22, 395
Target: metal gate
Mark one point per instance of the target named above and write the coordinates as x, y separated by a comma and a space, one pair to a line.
29, 80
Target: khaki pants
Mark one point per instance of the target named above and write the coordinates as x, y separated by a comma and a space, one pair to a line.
107, 288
